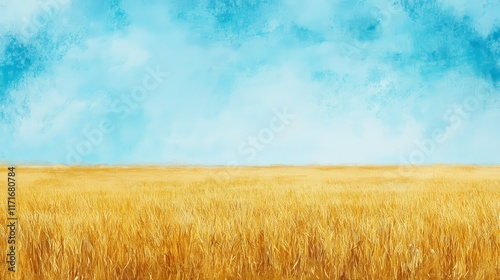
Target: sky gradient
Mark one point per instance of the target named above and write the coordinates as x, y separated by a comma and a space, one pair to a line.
250, 82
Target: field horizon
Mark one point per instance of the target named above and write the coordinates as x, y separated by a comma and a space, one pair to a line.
266, 222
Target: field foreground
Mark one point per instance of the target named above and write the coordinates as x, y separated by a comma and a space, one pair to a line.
436, 222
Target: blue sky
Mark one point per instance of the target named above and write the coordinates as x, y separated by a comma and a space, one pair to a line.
249, 82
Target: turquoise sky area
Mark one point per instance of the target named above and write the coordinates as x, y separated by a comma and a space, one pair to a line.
255, 82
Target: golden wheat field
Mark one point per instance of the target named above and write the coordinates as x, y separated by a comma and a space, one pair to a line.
437, 222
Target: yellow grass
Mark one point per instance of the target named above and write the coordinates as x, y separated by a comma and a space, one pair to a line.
277, 222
